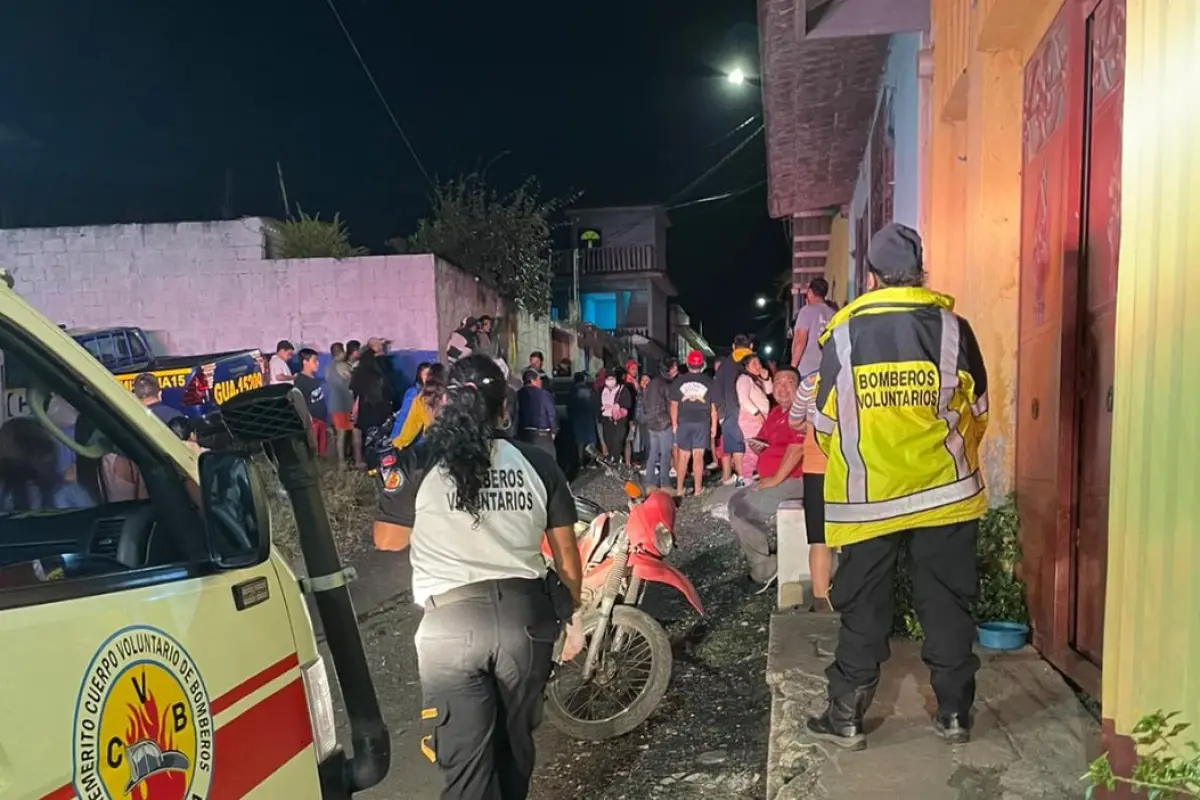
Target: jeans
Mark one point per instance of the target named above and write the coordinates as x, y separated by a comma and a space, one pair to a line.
658, 462
752, 513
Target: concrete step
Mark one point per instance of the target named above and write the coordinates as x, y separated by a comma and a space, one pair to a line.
1032, 738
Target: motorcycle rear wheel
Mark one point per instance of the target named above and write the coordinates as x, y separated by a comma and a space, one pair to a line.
642, 633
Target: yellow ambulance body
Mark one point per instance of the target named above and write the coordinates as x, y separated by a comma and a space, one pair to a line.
134, 667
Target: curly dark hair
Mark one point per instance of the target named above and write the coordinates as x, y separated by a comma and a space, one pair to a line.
462, 433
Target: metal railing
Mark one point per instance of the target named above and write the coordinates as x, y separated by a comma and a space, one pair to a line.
628, 331
607, 260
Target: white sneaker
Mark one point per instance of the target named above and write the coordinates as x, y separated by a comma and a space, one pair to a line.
733, 480
673, 473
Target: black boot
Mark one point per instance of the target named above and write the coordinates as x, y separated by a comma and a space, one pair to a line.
953, 728
842, 722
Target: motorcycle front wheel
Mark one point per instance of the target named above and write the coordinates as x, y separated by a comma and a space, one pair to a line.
627, 687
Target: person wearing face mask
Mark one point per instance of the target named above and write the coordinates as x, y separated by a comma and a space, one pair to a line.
615, 404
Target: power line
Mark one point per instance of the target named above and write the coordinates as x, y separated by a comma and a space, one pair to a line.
727, 134
378, 92
716, 197
724, 159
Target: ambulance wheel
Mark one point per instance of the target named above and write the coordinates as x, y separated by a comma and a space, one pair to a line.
628, 685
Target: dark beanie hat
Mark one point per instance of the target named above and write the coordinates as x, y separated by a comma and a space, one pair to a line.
895, 252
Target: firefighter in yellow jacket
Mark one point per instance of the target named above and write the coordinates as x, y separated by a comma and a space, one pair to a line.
900, 410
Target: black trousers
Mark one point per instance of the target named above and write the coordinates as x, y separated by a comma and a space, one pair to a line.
484, 662
615, 434
945, 582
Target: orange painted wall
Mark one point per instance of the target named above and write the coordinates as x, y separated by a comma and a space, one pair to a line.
973, 205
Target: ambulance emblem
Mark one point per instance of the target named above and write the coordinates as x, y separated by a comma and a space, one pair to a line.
143, 721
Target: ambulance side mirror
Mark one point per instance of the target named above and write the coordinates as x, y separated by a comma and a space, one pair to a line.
236, 516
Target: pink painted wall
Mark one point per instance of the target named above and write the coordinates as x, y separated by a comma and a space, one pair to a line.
205, 286
459, 294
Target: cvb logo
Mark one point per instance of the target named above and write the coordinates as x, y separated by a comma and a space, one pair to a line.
143, 723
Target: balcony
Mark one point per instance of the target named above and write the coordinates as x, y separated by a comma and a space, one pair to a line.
608, 260
627, 331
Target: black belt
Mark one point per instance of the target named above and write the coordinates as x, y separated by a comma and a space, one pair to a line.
484, 590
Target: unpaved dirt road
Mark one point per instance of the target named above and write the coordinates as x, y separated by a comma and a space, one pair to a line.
708, 740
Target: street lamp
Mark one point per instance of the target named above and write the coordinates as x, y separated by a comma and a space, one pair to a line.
737, 77
767, 349
761, 302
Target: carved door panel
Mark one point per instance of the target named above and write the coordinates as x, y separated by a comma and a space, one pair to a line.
1046, 209
1097, 308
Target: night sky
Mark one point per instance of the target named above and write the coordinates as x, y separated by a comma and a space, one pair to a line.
134, 111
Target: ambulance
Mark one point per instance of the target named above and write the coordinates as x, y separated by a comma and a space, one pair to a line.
155, 646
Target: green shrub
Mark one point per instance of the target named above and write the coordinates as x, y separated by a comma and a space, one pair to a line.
313, 237
1001, 593
1167, 768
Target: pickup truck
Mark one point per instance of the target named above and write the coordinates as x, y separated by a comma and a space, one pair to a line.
196, 385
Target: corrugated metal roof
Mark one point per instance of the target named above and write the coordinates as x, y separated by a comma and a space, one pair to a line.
1152, 633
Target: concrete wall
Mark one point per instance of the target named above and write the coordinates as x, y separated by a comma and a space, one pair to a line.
974, 202
459, 294
532, 334
901, 81
619, 227
205, 286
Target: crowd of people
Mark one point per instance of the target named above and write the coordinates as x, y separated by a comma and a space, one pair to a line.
774, 431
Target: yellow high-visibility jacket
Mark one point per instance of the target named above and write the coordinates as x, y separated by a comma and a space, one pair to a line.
901, 408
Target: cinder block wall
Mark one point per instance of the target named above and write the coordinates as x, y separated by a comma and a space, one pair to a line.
205, 286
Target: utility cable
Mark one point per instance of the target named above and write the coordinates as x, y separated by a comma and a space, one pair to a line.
716, 197
727, 134
378, 92
724, 159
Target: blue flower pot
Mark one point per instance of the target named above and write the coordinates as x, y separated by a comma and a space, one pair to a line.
1003, 635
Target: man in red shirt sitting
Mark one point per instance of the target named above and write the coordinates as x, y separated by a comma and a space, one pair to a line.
780, 452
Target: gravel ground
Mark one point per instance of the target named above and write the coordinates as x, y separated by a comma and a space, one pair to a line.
707, 740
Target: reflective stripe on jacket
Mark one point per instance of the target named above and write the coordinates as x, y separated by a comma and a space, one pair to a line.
901, 408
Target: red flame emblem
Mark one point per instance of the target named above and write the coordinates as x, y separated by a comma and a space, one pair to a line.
147, 725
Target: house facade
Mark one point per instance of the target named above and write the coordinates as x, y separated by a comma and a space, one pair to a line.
614, 278
1053, 180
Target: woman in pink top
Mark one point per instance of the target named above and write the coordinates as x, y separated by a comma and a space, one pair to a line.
754, 402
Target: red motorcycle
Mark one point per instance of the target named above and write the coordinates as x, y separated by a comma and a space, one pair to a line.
623, 671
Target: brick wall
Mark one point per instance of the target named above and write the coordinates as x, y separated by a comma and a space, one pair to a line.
205, 286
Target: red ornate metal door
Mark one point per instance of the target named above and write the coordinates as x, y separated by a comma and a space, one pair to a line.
1097, 293
1046, 246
